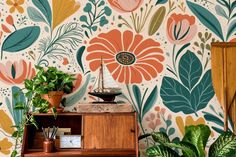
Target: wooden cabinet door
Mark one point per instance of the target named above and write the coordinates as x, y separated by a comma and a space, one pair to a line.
114, 131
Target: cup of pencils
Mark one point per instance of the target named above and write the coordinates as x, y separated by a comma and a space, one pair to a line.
49, 136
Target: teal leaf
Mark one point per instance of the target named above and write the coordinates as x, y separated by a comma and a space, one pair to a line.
212, 118
137, 95
203, 92
207, 18
46, 29
79, 56
175, 96
107, 11
35, 15
171, 131
150, 101
83, 18
233, 6
231, 29
101, 3
88, 8
163, 130
45, 8
21, 39
191, 96
220, 11
17, 114
168, 122
181, 50
190, 69
9, 107
77, 95
94, 28
103, 21
161, 1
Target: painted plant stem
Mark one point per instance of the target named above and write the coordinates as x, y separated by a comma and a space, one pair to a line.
139, 114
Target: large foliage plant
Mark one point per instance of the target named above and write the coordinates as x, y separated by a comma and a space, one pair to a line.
193, 144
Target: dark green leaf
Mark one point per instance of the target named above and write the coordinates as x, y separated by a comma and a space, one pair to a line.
220, 11
198, 136
160, 137
45, 8
35, 15
231, 29
190, 69
137, 95
181, 50
19, 106
156, 20
14, 153
207, 18
161, 151
171, 131
79, 56
212, 118
15, 134
21, 39
224, 146
150, 101
161, 1
13, 71
188, 149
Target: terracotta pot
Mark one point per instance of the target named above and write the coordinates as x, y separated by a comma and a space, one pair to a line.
54, 98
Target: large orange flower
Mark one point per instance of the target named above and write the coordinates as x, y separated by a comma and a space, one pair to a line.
16, 72
128, 57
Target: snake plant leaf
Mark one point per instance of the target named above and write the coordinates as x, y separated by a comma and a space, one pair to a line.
161, 151
157, 20
160, 137
224, 146
198, 136
188, 149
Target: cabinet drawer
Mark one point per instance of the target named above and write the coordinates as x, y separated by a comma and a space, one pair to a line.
109, 131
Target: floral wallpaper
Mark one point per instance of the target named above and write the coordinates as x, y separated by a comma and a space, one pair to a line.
158, 51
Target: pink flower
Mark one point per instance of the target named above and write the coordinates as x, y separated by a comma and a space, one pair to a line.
163, 110
181, 28
125, 5
16, 72
158, 122
152, 125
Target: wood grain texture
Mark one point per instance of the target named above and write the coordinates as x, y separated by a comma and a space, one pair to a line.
223, 58
109, 131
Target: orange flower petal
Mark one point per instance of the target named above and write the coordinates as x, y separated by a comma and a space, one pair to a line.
121, 77
94, 65
5, 29
145, 74
150, 51
127, 39
105, 43
137, 40
12, 9
20, 9
158, 66
149, 68
98, 55
116, 72
9, 2
114, 37
20, 2
9, 20
155, 56
136, 76
98, 47
146, 44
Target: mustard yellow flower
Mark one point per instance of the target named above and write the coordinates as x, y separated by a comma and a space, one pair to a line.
5, 146
189, 121
15, 5
62, 9
6, 123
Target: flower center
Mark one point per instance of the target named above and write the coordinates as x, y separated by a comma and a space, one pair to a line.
15, 4
125, 58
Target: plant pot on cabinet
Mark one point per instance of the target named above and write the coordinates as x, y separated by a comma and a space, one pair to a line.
54, 98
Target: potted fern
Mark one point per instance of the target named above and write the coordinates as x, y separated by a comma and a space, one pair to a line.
48, 87
193, 144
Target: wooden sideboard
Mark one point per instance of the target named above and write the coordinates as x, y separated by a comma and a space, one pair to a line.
103, 134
